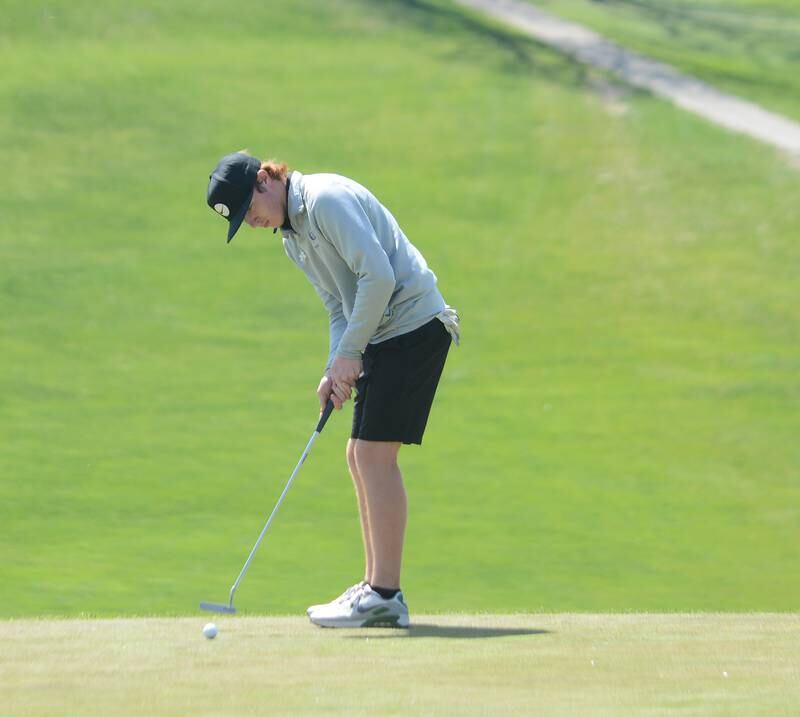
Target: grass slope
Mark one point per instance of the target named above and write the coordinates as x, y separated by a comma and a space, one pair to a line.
617, 432
461, 664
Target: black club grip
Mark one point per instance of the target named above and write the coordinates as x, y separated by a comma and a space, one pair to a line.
326, 414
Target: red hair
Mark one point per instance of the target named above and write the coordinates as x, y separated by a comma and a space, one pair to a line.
275, 169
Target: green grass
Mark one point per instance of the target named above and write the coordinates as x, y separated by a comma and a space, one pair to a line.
750, 48
462, 664
617, 432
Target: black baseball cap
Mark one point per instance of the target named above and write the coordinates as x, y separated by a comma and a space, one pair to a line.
230, 188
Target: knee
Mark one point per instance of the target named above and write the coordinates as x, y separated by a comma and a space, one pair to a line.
351, 455
374, 454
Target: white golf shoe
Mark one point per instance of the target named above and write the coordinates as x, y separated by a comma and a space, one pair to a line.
344, 596
363, 608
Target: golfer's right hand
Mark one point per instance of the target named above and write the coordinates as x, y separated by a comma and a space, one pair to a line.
326, 391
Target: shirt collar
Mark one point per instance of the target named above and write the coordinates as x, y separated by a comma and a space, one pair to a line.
295, 204
287, 225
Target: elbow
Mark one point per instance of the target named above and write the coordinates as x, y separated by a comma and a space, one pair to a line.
378, 283
387, 284
385, 279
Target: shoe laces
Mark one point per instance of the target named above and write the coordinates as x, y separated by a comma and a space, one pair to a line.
358, 591
351, 592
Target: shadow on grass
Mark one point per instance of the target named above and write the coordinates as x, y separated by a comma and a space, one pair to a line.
479, 33
449, 631
714, 30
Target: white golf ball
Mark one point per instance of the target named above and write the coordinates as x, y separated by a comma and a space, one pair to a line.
210, 631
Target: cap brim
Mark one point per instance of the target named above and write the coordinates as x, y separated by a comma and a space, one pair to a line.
237, 219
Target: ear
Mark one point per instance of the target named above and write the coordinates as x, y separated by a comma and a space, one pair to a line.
262, 176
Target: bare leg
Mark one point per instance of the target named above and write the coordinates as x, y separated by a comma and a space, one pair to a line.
386, 506
362, 508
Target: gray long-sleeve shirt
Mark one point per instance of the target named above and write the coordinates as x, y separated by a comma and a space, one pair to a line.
373, 281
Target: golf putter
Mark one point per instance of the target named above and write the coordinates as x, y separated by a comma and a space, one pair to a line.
229, 608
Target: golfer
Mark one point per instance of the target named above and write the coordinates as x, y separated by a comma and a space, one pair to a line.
390, 331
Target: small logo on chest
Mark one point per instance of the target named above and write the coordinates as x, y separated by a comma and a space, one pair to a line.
302, 256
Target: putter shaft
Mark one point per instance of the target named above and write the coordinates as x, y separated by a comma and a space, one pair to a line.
217, 607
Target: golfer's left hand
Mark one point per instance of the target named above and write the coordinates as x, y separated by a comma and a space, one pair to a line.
344, 373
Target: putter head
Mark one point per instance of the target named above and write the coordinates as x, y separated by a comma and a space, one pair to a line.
217, 607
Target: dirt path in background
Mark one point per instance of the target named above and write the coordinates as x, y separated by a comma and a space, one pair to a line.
662, 80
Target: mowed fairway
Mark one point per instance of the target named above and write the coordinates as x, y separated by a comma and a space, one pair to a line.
617, 432
567, 664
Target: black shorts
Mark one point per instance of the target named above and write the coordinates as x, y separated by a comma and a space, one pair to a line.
395, 393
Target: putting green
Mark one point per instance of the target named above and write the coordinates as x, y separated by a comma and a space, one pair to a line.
458, 664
